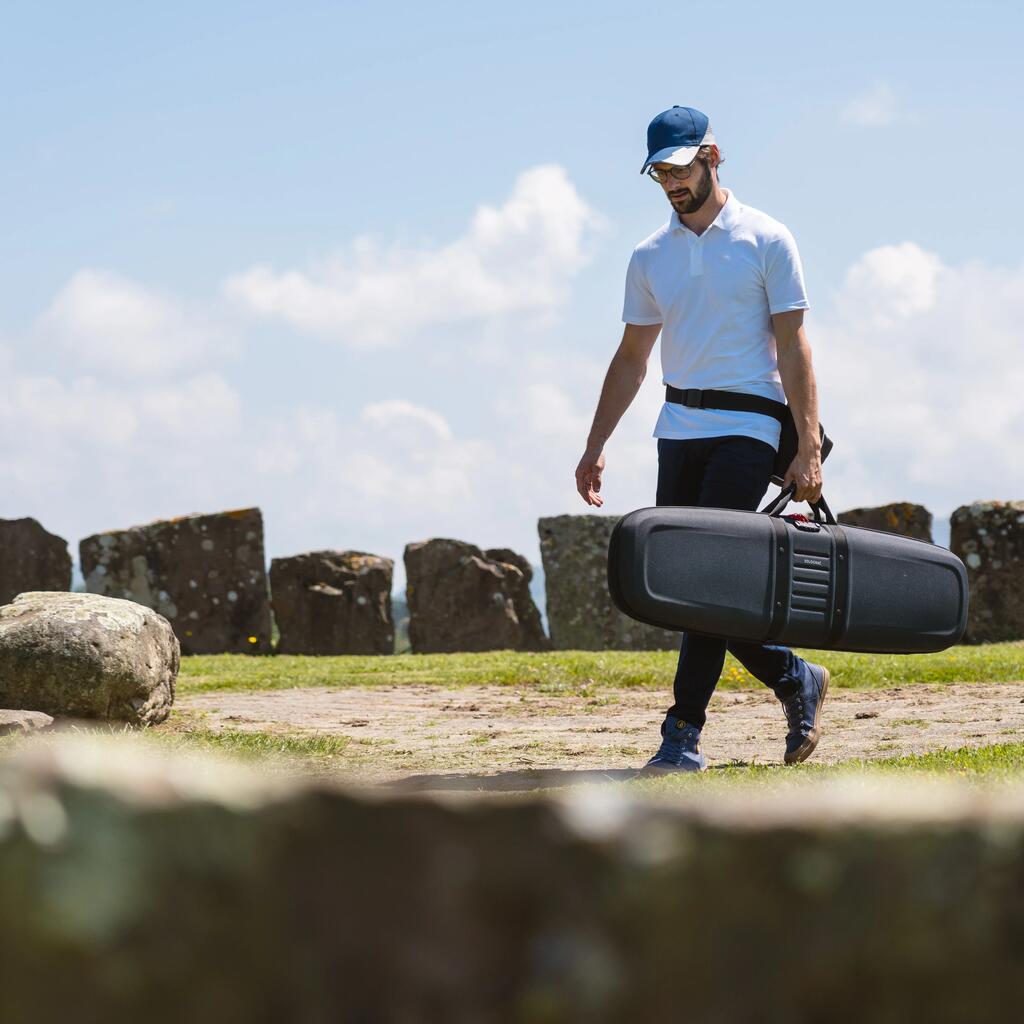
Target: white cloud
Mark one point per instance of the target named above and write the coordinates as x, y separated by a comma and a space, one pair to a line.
545, 413
113, 325
397, 411
42, 410
875, 106
406, 472
202, 406
513, 259
921, 381
550, 411
105, 411
85, 455
371, 481
890, 284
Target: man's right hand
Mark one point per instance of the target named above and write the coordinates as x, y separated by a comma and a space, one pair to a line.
588, 477
621, 383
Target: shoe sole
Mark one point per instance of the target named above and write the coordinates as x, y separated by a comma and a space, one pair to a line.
806, 748
671, 771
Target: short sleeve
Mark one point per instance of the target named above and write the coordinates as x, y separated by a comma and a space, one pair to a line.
639, 306
784, 276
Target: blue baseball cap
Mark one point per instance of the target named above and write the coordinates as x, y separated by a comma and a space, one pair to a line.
675, 136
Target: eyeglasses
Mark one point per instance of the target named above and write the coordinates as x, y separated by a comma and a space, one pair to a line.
679, 173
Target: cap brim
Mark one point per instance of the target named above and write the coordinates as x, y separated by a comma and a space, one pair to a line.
679, 157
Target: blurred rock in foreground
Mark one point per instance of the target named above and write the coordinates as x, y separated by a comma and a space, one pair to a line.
139, 886
23, 722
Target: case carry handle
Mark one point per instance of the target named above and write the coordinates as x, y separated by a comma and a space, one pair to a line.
822, 513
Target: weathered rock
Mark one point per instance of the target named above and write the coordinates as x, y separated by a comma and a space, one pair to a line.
901, 517
205, 573
31, 558
526, 609
988, 537
461, 600
510, 557
23, 721
87, 656
581, 616
161, 889
333, 602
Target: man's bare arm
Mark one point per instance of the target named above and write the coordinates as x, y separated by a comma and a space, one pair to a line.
797, 372
625, 374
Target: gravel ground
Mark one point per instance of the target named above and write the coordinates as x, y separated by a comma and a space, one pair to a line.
434, 737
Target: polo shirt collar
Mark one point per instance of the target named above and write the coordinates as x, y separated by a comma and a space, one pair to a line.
726, 219
729, 213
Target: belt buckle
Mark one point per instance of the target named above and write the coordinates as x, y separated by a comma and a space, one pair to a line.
693, 398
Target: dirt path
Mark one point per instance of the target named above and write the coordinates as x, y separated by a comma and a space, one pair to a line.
396, 732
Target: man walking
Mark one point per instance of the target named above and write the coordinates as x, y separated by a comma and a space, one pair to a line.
722, 283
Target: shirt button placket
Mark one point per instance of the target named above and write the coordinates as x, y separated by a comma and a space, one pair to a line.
696, 259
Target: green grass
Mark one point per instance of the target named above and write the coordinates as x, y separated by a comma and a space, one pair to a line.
1003, 760
269, 750
998, 763
254, 745
577, 672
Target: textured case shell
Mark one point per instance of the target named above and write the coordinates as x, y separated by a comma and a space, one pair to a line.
751, 576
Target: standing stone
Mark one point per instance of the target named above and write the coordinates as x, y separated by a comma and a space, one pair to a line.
205, 573
988, 537
31, 559
901, 517
510, 557
333, 602
526, 610
87, 656
581, 616
461, 600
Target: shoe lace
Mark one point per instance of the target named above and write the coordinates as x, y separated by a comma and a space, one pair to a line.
673, 747
794, 708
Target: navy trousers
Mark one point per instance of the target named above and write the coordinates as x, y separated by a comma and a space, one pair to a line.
721, 472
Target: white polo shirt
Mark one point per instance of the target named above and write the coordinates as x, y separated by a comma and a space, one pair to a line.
714, 295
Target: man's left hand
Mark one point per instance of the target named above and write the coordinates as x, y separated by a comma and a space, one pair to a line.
805, 472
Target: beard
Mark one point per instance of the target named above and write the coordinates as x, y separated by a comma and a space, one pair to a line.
696, 196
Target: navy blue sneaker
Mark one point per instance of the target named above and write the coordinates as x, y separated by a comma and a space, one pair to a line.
679, 751
803, 710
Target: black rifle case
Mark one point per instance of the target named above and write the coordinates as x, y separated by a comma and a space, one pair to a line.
765, 577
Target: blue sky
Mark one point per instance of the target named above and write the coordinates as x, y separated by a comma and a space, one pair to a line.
210, 214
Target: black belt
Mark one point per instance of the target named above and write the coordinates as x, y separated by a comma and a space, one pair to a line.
737, 401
